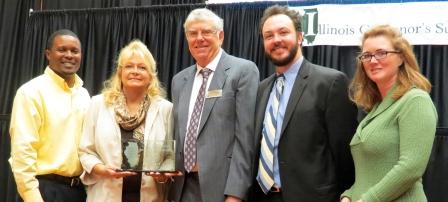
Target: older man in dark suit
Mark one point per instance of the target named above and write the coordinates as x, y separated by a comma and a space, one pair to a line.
214, 105
304, 121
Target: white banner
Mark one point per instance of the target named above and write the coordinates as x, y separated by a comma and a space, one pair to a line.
343, 25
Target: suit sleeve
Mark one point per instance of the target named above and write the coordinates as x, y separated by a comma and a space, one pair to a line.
240, 178
175, 124
417, 126
341, 122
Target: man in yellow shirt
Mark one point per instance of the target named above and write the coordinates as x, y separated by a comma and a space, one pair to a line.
46, 123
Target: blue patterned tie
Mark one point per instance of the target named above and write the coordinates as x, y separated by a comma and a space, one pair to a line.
192, 131
266, 164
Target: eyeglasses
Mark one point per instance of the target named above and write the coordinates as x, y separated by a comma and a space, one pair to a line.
204, 33
379, 55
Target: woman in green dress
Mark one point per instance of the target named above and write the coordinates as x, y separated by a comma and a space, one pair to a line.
392, 144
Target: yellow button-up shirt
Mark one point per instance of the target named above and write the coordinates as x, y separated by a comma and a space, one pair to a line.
46, 123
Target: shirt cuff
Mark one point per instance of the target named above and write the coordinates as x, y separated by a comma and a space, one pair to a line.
369, 197
32, 195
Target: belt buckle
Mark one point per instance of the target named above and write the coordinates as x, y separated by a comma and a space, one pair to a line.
74, 182
275, 189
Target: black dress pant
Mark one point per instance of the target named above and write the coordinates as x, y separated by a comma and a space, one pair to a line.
260, 196
53, 191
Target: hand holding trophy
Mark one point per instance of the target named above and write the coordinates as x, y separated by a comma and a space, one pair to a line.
160, 160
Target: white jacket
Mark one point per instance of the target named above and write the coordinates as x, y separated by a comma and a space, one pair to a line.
101, 143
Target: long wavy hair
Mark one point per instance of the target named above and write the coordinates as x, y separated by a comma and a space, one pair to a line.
113, 86
364, 92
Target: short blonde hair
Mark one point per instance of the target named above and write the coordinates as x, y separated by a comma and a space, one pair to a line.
113, 86
364, 91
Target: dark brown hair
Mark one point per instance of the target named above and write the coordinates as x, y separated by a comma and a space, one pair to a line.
277, 10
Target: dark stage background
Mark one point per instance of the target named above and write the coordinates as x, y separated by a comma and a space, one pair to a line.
104, 26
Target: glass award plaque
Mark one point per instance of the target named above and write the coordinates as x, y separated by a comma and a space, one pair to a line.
155, 156
132, 155
159, 156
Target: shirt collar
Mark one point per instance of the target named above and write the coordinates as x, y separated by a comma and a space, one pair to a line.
291, 73
213, 64
60, 81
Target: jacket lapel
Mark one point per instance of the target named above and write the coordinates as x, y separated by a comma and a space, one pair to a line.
150, 116
117, 130
263, 99
184, 100
296, 92
217, 83
380, 108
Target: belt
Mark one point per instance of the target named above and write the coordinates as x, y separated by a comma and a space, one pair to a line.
69, 181
192, 173
275, 189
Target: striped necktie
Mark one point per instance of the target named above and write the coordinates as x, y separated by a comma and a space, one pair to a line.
192, 131
266, 163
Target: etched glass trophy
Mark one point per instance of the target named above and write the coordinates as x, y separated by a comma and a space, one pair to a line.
154, 156
132, 153
159, 156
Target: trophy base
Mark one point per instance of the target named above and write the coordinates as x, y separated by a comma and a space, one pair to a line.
146, 171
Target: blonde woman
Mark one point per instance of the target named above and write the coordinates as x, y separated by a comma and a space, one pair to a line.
131, 108
392, 145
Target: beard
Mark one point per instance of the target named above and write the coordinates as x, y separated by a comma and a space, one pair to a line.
284, 61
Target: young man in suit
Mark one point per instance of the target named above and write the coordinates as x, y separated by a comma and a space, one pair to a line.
214, 106
304, 120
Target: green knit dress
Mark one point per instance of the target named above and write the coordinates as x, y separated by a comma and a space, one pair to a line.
391, 149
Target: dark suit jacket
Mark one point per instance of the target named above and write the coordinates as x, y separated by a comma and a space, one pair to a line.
314, 154
225, 146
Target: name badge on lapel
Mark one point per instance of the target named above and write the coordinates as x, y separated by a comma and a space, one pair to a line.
214, 93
